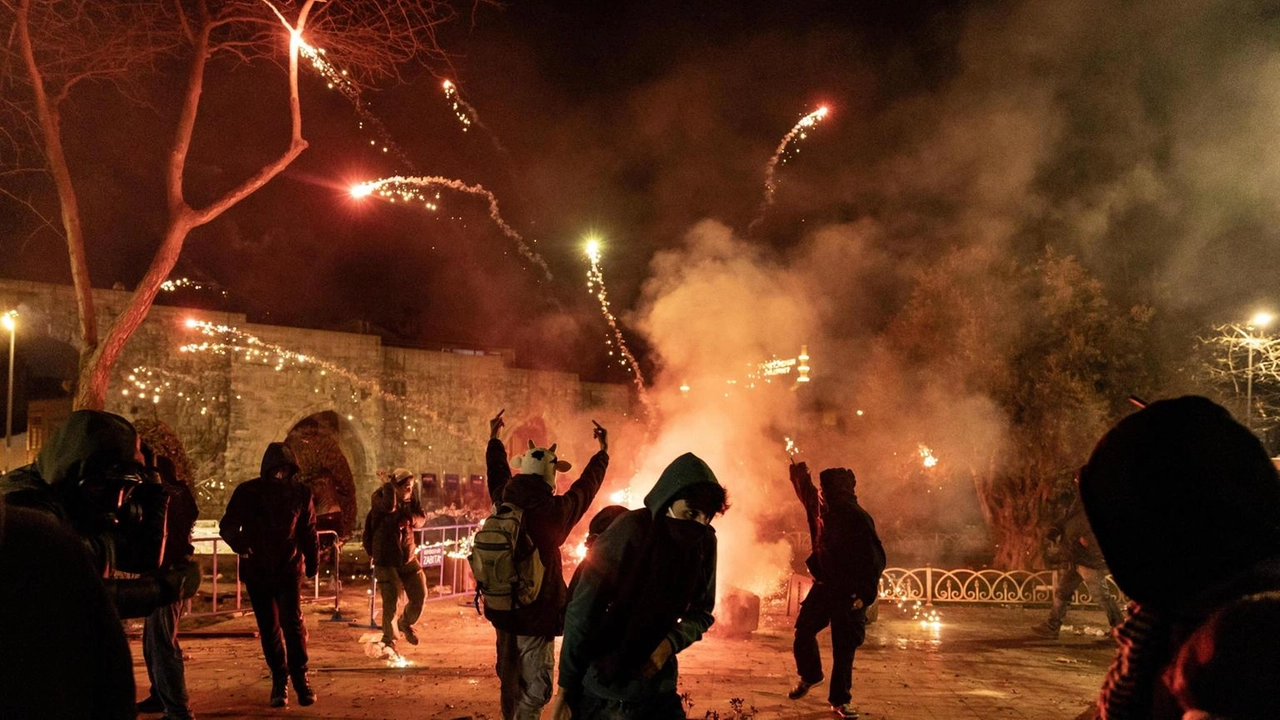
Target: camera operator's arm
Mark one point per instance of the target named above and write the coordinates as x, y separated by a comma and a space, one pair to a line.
307, 534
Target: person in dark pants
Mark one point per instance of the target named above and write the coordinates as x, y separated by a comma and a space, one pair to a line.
271, 523
160, 648
1085, 565
526, 635
646, 592
393, 515
846, 564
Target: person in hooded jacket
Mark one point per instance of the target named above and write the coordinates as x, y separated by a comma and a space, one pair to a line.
1086, 566
526, 635
645, 593
91, 477
394, 514
846, 564
1185, 504
270, 522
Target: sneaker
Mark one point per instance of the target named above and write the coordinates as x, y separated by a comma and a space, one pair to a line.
1043, 630
279, 692
150, 704
801, 689
306, 696
846, 710
409, 635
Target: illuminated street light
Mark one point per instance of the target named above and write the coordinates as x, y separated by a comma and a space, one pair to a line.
10, 322
1259, 321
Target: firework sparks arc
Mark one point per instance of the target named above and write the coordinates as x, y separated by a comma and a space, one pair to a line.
596, 286
798, 132
408, 188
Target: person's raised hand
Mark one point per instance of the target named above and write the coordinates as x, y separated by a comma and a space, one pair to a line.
602, 435
496, 423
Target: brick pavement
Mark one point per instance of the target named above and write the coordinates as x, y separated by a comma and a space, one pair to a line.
981, 663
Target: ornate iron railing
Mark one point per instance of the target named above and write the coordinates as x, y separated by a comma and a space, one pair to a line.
931, 585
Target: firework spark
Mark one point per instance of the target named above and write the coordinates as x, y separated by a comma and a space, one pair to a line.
467, 114
780, 156
595, 285
341, 81
791, 447
228, 340
927, 457
411, 188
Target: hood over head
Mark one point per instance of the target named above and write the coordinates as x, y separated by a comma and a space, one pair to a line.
277, 455
603, 519
1181, 498
686, 470
89, 442
838, 482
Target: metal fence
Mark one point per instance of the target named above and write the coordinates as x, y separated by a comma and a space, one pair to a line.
931, 585
442, 555
215, 541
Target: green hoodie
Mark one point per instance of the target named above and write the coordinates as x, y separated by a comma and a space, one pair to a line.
615, 554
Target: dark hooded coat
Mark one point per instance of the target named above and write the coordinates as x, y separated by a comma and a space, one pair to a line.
272, 523
548, 520
847, 555
1185, 504
636, 589
63, 652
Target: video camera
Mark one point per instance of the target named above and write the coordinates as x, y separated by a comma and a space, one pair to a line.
121, 513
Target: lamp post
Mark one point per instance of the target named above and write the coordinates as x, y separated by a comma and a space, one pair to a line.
10, 322
1259, 321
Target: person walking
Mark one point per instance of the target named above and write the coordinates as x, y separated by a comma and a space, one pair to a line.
1085, 565
846, 564
526, 635
394, 514
160, 648
645, 593
270, 523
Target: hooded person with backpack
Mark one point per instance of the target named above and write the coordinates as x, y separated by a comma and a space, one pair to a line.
645, 593
528, 620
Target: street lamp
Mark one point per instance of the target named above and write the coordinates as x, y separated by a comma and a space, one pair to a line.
1259, 321
10, 322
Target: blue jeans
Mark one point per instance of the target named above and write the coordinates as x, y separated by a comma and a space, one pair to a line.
163, 656
524, 671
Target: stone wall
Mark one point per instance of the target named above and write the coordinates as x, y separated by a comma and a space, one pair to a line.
426, 410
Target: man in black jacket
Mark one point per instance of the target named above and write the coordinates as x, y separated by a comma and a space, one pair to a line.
271, 523
393, 515
846, 563
526, 635
1086, 565
160, 648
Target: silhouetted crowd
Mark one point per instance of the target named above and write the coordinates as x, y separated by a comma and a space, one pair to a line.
1178, 502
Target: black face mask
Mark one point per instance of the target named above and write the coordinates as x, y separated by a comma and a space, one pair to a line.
687, 532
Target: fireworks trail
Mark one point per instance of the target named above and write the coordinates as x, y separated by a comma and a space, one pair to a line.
799, 132
468, 116
410, 188
251, 348
189, 284
595, 284
341, 81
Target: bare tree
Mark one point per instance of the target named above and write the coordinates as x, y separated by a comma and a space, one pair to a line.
54, 47
1240, 364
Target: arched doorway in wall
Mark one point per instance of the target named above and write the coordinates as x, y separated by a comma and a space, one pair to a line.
327, 449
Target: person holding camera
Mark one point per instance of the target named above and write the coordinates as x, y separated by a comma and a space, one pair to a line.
87, 508
270, 523
1077, 548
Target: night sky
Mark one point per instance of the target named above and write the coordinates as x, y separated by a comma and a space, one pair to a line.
1139, 139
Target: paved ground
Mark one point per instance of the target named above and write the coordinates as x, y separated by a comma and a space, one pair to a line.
980, 663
